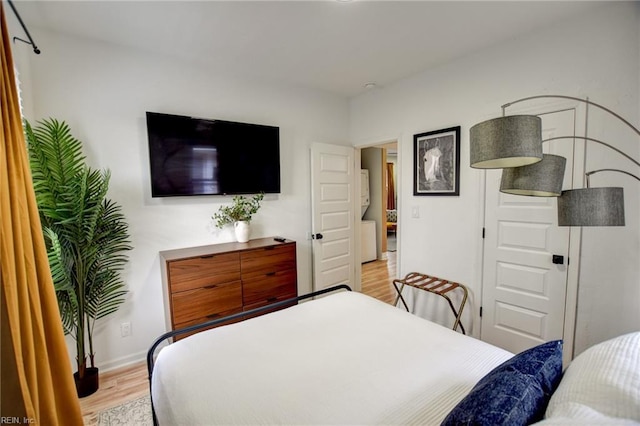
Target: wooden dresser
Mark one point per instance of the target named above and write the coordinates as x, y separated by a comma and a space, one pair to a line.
208, 282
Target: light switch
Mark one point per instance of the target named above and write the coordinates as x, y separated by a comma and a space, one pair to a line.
415, 212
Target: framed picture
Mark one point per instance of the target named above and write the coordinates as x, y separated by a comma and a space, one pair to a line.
436, 162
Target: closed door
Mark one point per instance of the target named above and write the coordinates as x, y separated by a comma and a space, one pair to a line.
333, 215
524, 285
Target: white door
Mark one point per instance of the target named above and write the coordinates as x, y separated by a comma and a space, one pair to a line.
524, 291
333, 215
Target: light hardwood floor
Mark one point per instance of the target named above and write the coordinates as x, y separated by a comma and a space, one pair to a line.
116, 387
377, 278
130, 383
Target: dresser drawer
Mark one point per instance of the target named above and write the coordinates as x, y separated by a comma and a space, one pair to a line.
268, 259
206, 302
203, 271
205, 319
266, 311
269, 288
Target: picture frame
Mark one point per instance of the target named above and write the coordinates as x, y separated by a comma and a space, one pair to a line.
436, 162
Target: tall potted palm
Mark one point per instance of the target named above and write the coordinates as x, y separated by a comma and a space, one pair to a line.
86, 236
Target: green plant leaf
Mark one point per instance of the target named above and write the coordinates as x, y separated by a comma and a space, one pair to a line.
242, 209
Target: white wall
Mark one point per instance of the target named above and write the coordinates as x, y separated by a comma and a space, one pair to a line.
595, 55
103, 91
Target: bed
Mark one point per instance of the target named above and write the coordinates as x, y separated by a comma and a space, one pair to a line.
345, 358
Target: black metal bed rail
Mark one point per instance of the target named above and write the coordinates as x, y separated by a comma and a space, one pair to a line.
218, 321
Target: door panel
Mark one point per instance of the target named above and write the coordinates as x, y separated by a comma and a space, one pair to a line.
333, 213
524, 292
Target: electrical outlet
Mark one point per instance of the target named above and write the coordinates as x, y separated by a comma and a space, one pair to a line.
125, 329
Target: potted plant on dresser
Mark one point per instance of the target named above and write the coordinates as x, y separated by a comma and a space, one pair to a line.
86, 236
239, 213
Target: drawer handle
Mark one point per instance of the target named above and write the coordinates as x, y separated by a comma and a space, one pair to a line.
270, 248
212, 316
211, 286
272, 299
270, 274
207, 256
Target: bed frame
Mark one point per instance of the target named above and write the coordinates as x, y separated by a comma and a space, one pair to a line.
219, 321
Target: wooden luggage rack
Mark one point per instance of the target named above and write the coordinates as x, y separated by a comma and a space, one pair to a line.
434, 285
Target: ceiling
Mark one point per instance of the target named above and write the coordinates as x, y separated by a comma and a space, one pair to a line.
334, 46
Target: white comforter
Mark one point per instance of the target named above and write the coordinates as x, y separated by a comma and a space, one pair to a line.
344, 359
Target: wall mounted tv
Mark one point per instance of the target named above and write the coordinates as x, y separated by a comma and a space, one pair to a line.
194, 156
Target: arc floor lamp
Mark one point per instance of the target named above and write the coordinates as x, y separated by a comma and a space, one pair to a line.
514, 143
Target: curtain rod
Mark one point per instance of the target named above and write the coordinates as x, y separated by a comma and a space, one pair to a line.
35, 48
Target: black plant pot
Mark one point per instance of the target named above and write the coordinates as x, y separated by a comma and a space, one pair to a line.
89, 383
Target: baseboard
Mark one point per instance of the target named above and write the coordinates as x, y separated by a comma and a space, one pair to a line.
123, 362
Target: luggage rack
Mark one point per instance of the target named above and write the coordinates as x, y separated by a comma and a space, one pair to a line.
434, 285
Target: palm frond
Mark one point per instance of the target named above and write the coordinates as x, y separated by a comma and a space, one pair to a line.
55, 159
60, 264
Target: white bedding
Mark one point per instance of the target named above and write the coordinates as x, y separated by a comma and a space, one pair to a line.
601, 386
344, 359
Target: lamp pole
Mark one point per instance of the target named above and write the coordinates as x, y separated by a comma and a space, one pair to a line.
586, 101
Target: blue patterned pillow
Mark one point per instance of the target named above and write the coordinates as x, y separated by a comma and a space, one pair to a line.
514, 393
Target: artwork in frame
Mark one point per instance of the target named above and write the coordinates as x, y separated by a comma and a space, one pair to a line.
436, 162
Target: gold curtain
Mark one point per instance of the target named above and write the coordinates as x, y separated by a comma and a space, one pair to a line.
37, 381
391, 188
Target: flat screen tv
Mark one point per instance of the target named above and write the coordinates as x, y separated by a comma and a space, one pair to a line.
195, 156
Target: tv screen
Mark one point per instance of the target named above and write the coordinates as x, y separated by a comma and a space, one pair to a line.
194, 156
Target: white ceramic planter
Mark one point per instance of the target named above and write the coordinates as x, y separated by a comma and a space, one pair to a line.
242, 231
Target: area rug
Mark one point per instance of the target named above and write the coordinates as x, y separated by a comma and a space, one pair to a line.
132, 413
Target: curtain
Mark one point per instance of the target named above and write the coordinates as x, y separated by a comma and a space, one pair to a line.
37, 380
391, 188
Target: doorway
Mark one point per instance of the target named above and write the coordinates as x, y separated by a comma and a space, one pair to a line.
380, 214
